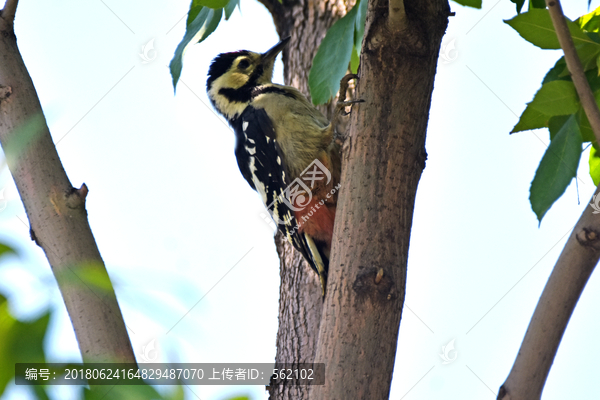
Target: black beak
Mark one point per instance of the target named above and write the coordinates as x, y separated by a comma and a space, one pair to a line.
272, 53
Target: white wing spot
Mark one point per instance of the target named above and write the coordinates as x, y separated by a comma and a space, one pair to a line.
244, 125
251, 140
251, 151
260, 187
278, 160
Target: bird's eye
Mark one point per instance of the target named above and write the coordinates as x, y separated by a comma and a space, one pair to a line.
244, 64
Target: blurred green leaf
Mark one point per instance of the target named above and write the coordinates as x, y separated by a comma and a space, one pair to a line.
86, 275
595, 165
354, 60
230, 7
214, 4
177, 394
5, 250
19, 341
536, 27
590, 22
469, 3
204, 23
557, 168
40, 392
122, 392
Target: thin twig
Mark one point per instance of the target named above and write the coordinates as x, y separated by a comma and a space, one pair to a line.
9, 10
574, 65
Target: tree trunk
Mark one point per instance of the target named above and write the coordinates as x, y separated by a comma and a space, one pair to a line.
56, 210
300, 303
383, 158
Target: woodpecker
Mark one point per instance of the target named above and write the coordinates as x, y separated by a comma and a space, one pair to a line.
285, 149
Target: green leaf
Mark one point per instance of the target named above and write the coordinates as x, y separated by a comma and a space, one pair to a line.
470, 3
214, 4
4, 249
359, 32
123, 392
588, 54
587, 134
177, 394
519, 4
19, 342
192, 14
557, 168
590, 22
556, 72
531, 119
359, 23
354, 60
40, 392
230, 7
90, 275
204, 23
556, 123
556, 98
332, 58
536, 27
595, 165
537, 3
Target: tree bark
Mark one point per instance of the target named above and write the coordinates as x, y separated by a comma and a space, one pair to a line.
300, 303
383, 158
56, 210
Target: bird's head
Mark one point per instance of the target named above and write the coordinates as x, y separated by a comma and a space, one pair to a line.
233, 76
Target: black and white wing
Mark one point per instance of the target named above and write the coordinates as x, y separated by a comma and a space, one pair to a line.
261, 163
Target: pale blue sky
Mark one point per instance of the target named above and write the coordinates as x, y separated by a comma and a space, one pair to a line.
176, 223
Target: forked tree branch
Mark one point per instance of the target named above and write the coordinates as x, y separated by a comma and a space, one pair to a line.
574, 266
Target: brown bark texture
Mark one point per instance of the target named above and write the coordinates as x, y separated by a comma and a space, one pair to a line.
383, 158
56, 212
300, 303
